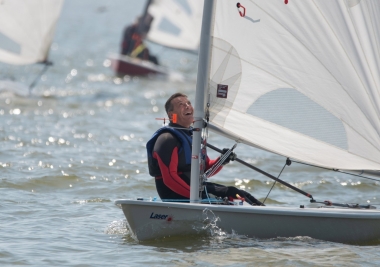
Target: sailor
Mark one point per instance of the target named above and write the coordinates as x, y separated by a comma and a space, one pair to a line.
169, 157
133, 39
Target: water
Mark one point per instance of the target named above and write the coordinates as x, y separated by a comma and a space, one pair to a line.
77, 144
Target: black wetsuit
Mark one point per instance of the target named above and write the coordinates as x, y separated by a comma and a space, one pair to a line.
170, 165
132, 39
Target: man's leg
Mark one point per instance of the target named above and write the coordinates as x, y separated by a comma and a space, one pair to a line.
231, 192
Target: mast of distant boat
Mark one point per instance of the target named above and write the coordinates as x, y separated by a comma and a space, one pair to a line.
143, 16
46, 64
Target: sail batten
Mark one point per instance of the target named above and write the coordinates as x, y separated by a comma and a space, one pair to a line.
300, 80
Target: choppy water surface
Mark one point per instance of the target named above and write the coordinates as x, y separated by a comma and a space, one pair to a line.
77, 143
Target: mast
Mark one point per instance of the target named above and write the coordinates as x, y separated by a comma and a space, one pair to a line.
143, 16
201, 88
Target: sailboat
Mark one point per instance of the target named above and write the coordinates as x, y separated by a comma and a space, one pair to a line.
26, 33
296, 78
175, 25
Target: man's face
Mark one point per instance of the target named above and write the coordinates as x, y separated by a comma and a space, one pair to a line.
184, 110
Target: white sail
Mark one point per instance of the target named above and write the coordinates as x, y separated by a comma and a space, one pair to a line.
300, 79
27, 29
176, 24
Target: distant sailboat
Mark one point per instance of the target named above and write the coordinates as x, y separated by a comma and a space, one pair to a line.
300, 80
27, 30
176, 25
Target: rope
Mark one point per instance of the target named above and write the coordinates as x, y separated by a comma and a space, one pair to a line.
202, 176
35, 81
286, 163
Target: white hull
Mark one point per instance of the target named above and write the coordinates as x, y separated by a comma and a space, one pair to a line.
151, 220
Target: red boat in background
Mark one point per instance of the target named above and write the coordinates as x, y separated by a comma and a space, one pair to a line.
126, 65
173, 24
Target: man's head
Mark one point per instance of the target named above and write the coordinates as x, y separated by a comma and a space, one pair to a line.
179, 104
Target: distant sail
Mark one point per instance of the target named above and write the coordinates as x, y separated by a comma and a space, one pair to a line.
176, 24
26, 29
300, 79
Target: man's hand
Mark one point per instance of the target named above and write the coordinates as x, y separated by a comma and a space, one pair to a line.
231, 157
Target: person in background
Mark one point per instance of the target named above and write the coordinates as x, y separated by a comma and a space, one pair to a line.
133, 39
169, 157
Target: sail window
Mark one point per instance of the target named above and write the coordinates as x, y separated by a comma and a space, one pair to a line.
168, 27
290, 109
9, 45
